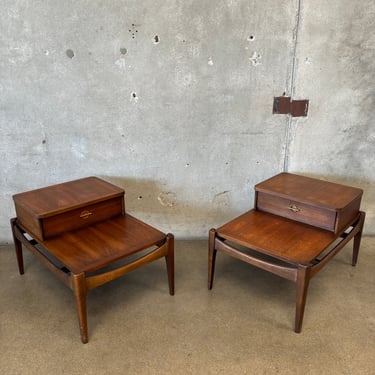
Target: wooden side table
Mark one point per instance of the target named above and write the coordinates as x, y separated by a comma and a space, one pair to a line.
297, 226
81, 232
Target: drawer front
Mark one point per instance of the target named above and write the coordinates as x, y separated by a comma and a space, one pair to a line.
82, 217
291, 209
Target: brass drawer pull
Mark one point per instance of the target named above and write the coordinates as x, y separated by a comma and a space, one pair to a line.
294, 208
85, 214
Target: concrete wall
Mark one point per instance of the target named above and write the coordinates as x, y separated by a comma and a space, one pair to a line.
172, 100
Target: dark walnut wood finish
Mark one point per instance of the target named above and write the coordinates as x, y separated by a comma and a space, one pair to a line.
53, 210
297, 226
81, 232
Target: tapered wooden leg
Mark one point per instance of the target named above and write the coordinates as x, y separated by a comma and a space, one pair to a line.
356, 244
169, 259
357, 240
18, 248
80, 293
303, 279
211, 257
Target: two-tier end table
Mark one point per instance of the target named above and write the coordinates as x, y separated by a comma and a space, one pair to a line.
81, 232
297, 226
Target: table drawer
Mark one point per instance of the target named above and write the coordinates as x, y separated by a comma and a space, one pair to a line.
292, 209
81, 217
55, 209
44, 228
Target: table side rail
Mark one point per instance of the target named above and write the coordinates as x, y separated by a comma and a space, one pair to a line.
102, 278
289, 273
357, 228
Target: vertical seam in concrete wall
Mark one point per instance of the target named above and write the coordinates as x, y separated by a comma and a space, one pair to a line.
288, 135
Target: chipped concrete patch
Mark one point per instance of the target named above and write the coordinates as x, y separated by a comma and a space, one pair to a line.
221, 199
167, 199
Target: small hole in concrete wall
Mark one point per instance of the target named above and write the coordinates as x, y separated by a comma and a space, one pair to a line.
156, 39
133, 30
44, 141
134, 97
123, 51
140, 197
251, 38
70, 53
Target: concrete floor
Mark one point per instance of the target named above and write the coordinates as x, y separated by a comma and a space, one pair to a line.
243, 326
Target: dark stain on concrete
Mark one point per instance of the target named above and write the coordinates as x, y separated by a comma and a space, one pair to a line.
70, 53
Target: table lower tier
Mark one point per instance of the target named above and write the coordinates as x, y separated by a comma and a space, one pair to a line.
283, 247
90, 257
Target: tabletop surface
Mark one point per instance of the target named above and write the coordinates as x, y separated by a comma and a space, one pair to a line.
98, 245
279, 237
310, 190
59, 198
